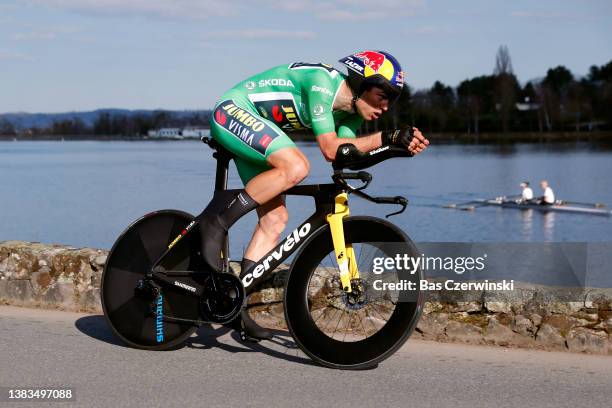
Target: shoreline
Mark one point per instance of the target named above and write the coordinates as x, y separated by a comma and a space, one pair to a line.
603, 137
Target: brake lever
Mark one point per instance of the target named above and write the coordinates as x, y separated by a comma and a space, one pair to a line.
363, 176
401, 201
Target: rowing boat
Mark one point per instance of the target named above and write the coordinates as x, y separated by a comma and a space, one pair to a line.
560, 206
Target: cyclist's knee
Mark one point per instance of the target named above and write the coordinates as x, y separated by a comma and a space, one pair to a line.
297, 172
293, 165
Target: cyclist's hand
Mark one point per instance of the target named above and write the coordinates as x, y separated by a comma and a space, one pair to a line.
418, 142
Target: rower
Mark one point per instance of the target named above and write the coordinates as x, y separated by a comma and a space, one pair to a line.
549, 196
527, 194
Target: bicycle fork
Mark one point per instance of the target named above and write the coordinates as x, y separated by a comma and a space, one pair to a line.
345, 255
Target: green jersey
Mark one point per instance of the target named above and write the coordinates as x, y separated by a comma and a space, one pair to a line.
253, 118
298, 96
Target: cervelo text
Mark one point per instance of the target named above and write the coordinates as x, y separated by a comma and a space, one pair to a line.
282, 249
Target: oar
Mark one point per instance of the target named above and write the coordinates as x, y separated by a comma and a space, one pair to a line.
596, 205
467, 206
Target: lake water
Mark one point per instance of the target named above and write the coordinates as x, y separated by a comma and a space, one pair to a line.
86, 193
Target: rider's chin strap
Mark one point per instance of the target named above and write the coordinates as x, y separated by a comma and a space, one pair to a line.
354, 103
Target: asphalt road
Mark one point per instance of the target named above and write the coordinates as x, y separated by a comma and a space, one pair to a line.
59, 349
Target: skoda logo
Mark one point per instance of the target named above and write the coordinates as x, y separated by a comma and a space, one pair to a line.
318, 109
250, 85
345, 150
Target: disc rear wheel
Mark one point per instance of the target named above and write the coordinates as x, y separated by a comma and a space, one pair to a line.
133, 305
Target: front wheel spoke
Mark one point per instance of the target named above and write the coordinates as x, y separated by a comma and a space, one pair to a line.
378, 313
322, 313
369, 319
338, 324
331, 320
348, 325
361, 324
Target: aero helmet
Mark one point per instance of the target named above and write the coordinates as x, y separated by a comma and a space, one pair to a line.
374, 68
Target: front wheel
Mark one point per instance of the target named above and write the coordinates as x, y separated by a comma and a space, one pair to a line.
360, 329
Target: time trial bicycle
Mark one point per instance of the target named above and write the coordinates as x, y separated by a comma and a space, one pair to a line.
340, 310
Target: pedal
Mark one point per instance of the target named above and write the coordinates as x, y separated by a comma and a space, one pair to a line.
245, 337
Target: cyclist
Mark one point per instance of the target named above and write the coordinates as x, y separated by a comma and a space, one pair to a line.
252, 121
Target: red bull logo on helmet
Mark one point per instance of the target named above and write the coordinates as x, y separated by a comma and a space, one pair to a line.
376, 63
372, 59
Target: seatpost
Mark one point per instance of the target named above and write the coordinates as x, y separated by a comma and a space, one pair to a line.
221, 174
222, 171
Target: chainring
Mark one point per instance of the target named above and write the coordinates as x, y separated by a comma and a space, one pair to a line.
221, 302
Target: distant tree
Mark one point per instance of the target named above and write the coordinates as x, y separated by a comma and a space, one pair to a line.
6, 128
162, 119
603, 73
142, 124
545, 100
103, 124
421, 109
556, 86
528, 93
558, 79
531, 118
599, 88
506, 86
442, 101
475, 98
69, 127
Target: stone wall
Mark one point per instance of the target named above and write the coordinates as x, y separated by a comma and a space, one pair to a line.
56, 276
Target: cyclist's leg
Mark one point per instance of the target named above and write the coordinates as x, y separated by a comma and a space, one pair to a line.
258, 144
288, 165
273, 218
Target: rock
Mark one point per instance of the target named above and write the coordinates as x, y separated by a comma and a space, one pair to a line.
90, 300
523, 326
3, 291
565, 308
590, 317
432, 325
497, 333
600, 299
548, 335
270, 295
19, 265
40, 281
564, 323
607, 324
432, 307
100, 260
535, 318
498, 307
18, 290
464, 307
463, 332
587, 341
61, 294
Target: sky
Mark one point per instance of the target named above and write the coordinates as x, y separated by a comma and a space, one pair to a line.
78, 55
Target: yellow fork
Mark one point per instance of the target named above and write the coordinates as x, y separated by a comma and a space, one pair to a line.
345, 255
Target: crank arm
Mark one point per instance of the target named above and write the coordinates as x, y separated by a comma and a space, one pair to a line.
166, 278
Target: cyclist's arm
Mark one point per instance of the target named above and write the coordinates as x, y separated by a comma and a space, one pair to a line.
329, 142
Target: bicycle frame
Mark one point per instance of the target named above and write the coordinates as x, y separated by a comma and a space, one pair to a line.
331, 206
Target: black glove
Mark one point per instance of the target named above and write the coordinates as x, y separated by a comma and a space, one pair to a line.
397, 137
